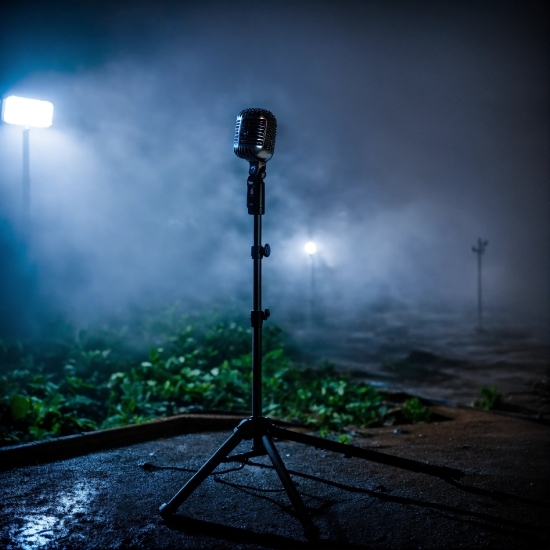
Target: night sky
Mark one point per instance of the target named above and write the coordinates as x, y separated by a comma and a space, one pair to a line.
406, 130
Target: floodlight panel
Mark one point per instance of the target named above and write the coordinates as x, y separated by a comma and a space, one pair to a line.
27, 112
310, 248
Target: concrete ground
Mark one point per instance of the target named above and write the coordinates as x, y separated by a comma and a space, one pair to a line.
106, 500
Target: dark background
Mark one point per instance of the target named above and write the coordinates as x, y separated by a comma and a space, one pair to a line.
406, 131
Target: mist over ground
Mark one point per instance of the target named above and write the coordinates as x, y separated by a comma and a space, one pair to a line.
406, 130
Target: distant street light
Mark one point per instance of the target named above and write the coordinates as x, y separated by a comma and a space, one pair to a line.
480, 250
29, 113
311, 248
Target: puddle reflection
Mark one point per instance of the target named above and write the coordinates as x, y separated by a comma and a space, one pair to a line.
51, 522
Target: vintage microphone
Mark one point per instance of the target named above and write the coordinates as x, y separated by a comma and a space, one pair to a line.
255, 133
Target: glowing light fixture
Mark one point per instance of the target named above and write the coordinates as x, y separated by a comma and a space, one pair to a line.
27, 112
310, 247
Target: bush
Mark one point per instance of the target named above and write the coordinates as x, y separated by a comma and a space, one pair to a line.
61, 389
415, 411
490, 398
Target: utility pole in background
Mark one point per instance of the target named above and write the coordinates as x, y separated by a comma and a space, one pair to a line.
479, 251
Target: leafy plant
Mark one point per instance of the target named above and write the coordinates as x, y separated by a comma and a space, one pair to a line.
89, 380
490, 398
415, 411
19, 406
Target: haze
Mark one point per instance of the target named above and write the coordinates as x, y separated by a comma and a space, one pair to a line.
406, 131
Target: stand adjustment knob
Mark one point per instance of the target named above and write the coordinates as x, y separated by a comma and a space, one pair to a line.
257, 317
259, 252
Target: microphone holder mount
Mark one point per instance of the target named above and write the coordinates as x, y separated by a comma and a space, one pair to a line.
262, 431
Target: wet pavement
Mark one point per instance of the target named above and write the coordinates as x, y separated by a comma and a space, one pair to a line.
106, 500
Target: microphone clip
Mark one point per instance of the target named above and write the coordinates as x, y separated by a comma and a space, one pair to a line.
255, 196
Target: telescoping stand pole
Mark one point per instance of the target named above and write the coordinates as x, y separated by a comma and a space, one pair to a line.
255, 201
261, 431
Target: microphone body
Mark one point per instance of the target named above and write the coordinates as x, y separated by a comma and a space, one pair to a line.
255, 133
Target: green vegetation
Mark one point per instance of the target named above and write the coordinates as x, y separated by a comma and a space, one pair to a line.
89, 381
490, 398
415, 411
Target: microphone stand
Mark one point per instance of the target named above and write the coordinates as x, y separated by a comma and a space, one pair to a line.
260, 430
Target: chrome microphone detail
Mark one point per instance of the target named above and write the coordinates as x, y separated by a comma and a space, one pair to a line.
255, 133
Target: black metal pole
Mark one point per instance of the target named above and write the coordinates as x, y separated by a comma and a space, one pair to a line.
256, 208
257, 321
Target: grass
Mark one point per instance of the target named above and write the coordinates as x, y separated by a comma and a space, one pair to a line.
82, 381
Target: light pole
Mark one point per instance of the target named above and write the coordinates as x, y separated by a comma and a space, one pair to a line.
29, 113
310, 249
480, 250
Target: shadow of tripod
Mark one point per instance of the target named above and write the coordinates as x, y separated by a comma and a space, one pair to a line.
255, 142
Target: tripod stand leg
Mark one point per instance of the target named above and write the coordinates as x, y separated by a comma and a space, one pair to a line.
442, 472
171, 506
310, 531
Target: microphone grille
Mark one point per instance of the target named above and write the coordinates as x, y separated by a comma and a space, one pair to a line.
255, 134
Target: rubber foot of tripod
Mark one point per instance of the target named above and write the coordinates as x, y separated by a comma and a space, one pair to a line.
311, 533
165, 511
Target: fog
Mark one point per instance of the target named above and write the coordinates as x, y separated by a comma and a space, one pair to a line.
405, 131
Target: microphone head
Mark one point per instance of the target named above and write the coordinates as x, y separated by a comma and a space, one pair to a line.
255, 134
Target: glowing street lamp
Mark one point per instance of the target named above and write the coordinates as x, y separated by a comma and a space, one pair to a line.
310, 247
29, 113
